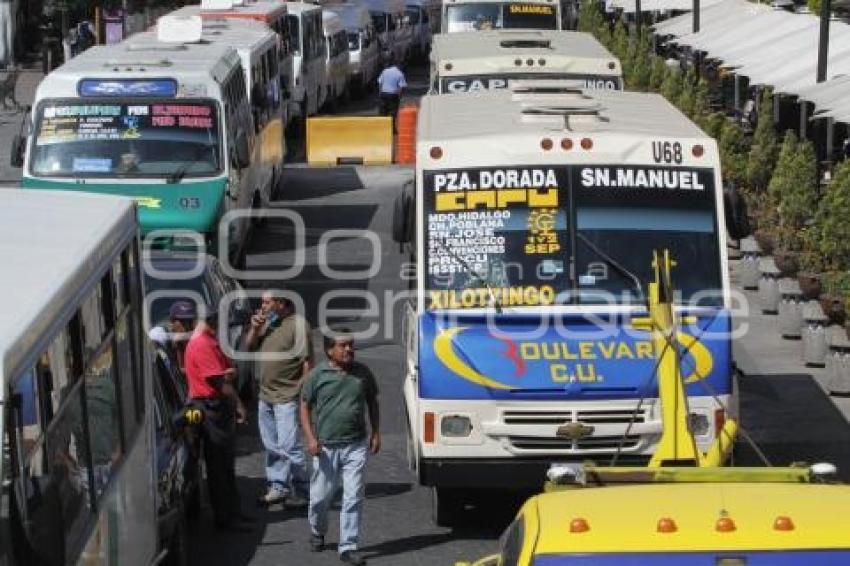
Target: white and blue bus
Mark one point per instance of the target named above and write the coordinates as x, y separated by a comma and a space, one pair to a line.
533, 224
78, 427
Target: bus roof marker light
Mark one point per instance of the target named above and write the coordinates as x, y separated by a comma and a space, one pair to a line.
517, 62
666, 525
579, 525
546, 144
566, 144
698, 150
449, 66
529, 62
612, 65
586, 143
179, 29
541, 62
436, 152
783, 523
725, 525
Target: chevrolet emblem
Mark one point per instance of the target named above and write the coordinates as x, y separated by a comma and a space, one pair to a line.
574, 431
149, 202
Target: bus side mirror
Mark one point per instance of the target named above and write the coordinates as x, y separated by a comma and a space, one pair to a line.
16, 157
243, 151
735, 210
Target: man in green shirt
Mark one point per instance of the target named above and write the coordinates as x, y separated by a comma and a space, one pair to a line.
282, 338
335, 400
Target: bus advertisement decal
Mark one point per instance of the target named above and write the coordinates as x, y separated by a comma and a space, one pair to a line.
477, 83
495, 235
476, 357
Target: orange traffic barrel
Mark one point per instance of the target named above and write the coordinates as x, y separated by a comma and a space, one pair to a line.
405, 144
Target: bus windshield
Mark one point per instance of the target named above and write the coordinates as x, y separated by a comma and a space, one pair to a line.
508, 236
480, 16
111, 138
617, 231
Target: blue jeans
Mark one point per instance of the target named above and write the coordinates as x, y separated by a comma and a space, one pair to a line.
286, 465
345, 462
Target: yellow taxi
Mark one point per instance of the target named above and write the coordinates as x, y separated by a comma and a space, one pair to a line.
752, 517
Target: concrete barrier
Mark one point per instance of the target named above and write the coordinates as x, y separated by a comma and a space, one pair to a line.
349, 140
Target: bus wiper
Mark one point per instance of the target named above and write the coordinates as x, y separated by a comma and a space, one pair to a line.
496, 304
178, 175
613, 263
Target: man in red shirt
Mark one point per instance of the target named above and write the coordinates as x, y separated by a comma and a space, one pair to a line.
210, 376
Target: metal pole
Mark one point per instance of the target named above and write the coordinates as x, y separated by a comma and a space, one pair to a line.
776, 107
830, 139
823, 41
737, 99
803, 119
696, 16
637, 17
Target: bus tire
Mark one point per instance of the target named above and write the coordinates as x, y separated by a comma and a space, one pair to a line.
446, 506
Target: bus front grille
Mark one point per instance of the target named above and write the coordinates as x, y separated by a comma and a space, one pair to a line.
622, 416
600, 444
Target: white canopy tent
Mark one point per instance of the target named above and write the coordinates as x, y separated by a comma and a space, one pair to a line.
629, 6
771, 47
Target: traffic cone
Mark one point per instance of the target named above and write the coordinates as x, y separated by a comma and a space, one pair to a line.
405, 144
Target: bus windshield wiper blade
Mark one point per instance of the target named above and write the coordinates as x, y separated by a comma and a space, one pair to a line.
178, 174
613, 263
496, 304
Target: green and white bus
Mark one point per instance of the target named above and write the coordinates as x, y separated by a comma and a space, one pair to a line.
78, 423
165, 120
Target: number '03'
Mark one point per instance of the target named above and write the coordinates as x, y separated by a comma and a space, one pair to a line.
667, 152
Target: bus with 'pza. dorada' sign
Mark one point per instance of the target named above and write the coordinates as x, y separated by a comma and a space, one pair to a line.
474, 61
532, 227
163, 119
486, 15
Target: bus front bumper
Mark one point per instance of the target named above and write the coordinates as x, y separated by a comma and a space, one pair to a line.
489, 473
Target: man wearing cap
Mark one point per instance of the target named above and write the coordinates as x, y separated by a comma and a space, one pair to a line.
210, 376
282, 338
173, 335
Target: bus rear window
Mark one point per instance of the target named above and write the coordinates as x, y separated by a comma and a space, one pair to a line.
120, 139
496, 15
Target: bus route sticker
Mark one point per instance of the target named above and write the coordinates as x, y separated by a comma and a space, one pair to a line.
490, 230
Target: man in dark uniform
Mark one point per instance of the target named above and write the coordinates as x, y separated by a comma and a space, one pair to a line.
210, 376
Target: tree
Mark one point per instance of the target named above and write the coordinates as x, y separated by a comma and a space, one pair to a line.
712, 124
657, 73
589, 16
763, 154
784, 162
685, 100
672, 85
639, 66
620, 41
701, 93
733, 153
832, 231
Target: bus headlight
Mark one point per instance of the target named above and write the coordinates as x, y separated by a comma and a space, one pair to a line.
700, 424
455, 426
